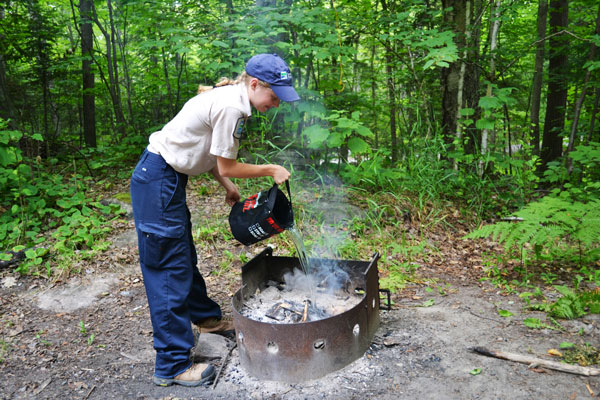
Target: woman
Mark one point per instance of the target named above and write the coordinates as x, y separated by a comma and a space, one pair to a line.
203, 136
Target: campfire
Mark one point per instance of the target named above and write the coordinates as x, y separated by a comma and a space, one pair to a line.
292, 327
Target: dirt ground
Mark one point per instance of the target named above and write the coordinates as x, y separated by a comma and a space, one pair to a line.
89, 337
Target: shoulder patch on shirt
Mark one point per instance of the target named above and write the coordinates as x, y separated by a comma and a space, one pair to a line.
238, 131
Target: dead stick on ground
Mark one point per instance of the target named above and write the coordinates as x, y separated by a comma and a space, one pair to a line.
90, 392
538, 362
587, 386
223, 365
305, 315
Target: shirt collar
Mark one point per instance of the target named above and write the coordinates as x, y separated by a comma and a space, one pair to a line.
247, 109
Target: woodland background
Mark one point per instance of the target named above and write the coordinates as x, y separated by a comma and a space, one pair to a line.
483, 113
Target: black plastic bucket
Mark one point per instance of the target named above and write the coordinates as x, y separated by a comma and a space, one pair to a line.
262, 215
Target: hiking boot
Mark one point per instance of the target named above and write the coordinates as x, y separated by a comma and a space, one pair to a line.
215, 325
196, 375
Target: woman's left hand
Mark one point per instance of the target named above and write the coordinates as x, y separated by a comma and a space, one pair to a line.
232, 196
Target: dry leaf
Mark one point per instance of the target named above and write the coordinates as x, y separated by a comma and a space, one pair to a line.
9, 281
392, 341
554, 352
540, 370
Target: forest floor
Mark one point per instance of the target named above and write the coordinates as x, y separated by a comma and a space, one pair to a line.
88, 336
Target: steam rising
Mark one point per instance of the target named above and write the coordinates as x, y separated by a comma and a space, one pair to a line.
319, 263
326, 279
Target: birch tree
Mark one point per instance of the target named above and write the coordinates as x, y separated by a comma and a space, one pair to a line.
492, 74
89, 101
579, 104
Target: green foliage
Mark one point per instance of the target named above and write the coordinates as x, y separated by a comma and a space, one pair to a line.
371, 173
493, 107
346, 73
40, 205
536, 323
549, 225
571, 304
342, 132
584, 180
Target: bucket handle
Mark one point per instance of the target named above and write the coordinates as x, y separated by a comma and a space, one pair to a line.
287, 186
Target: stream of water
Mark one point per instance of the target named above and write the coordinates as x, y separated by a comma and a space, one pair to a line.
303, 258
300, 249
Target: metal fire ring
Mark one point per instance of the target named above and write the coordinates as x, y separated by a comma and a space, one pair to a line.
301, 351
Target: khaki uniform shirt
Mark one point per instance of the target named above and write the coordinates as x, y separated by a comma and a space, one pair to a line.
203, 129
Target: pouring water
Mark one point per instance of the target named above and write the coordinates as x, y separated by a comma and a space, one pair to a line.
303, 258
300, 249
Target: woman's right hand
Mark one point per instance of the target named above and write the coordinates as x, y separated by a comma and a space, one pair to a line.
280, 174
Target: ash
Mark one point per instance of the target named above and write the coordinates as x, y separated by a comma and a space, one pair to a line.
300, 298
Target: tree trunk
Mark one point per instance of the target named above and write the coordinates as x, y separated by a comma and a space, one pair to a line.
463, 68
471, 135
89, 106
374, 97
121, 41
460, 81
579, 103
456, 18
389, 69
167, 82
112, 84
7, 110
594, 116
538, 76
492, 77
120, 117
42, 51
556, 102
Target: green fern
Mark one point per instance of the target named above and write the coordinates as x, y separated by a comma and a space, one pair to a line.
571, 304
552, 221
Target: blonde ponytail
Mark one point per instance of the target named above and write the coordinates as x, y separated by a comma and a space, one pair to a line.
243, 77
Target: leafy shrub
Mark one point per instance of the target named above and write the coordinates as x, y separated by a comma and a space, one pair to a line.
571, 305
39, 206
371, 174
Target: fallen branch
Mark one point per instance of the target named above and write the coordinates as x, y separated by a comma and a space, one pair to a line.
214, 385
537, 362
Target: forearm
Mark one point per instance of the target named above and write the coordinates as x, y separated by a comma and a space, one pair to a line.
233, 169
224, 181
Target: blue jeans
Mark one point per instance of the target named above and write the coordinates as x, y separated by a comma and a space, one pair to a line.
175, 289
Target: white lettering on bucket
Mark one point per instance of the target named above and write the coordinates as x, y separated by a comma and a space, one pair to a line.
257, 231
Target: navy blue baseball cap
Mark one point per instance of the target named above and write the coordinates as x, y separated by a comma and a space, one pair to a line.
272, 69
